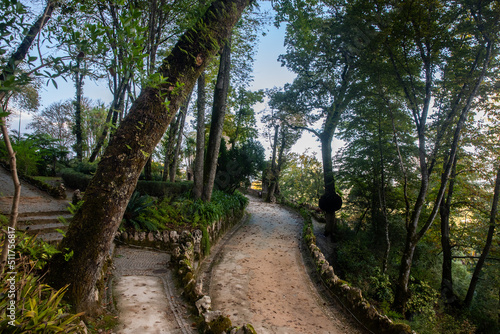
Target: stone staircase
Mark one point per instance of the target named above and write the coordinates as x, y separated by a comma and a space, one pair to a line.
44, 224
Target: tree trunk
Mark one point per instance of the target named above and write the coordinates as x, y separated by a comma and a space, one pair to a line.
487, 245
329, 179
273, 174
94, 225
148, 169
413, 237
218, 114
447, 293
382, 201
170, 146
199, 159
180, 132
8, 246
117, 104
78, 110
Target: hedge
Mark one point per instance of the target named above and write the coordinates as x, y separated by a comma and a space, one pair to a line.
76, 180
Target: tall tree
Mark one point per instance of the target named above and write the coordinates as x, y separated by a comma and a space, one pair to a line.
92, 229
217, 122
418, 40
9, 83
199, 160
321, 50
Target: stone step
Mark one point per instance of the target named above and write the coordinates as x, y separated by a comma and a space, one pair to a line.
29, 214
43, 228
52, 238
45, 219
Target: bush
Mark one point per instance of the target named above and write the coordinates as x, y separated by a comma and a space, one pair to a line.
75, 180
167, 213
38, 307
135, 216
86, 167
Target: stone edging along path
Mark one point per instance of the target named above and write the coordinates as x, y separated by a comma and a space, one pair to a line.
187, 256
351, 297
188, 249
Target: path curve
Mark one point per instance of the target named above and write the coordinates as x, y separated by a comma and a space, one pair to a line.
259, 277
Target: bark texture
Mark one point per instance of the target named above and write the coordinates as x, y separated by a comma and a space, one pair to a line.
93, 227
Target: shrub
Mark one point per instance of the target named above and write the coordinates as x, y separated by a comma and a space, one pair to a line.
38, 307
423, 299
86, 167
75, 180
134, 216
380, 287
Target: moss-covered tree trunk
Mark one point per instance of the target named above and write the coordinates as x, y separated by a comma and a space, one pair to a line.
93, 227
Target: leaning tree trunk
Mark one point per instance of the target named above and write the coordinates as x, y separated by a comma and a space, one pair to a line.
94, 225
218, 114
199, 159
487, 245
7, 71
15, 201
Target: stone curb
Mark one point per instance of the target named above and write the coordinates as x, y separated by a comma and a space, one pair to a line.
187, 248
351, 297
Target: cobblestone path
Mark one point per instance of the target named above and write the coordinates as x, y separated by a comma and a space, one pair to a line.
259, 277
145, 294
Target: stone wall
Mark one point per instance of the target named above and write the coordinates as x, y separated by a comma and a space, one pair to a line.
188, 249
351, 297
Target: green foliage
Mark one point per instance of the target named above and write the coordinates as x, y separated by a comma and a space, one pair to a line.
205, 241
86, 167
38, 308
27, 158
36, 252
134, 214
163, 189
423, 299
167, 213
236, 166
380, 287
302, 179
75, 180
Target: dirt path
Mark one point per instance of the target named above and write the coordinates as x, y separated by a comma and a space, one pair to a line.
259, 277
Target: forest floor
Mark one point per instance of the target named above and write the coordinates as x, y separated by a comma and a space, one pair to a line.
260, 276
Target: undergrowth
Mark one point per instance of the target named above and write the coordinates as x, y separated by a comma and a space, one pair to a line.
146, 214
